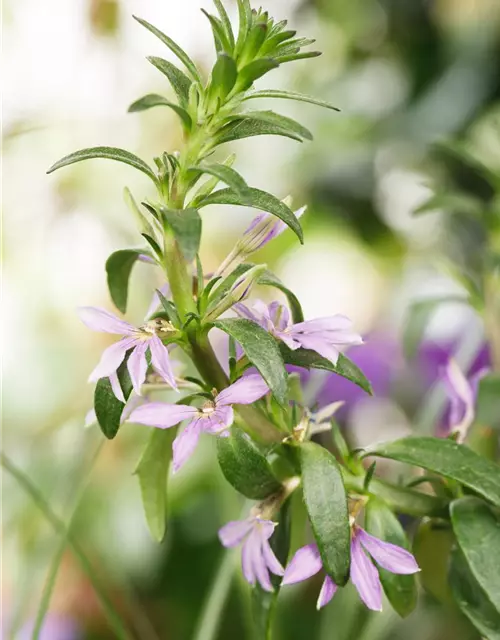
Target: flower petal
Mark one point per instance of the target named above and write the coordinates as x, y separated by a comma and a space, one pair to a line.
160, 359
244, 312
365, 577
327, 592
250, 547
161, 414
90, 418
111, 359
304, 564
219, 421
389, 556
337, 322
137, 366
246, 390
185, 444
260, 568
272, 562
99, 319
321, 346
117, 387
233, 533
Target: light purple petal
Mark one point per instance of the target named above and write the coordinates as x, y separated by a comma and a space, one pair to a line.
90, 419
304, 564
389, 556
327, 592
111, 359
218, 421
233, 533
99, 319
161, 414
160, 360
117, 387
246, 390
280, 316
185, 444
137, 366
250, 547
328, 351
266, 528
260, 566
155, 300
365, 577
272, 562
331, 323
244, 312
134, 402
288, 340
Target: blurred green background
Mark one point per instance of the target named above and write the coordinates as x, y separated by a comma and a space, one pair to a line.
405, 74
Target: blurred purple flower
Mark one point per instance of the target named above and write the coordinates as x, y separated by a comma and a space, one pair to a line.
327, 336
138, 340
364, 575
215, 416
257, 557
55, 627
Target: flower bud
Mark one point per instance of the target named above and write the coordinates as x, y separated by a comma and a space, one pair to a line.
238, 292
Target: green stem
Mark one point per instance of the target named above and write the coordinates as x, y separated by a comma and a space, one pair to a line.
112, 616
178, 276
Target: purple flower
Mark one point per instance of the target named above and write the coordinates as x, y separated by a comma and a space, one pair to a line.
327, 336
262, 229
155, 300
462, 394
215, 416
307, 562
138, 341
257, 557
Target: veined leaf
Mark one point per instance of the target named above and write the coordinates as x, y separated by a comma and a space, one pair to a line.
245, 19
259, 200
221, 39
276, 119
401, 590
311, 360
244, 127
186, 225
244, 466
449, 459
152, 473
253, 71
271, 280
154, 100
207, 188
174, 47
226, 22
225, 174
288, 95
477, 530
108, 409
298, 56
326, 503
224, 76
179, 80
262, 351
109, 153
118, 269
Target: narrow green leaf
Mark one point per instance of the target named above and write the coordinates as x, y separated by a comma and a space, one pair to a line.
259, 200
226, 22
154, 100
432, 545
269, 279
186, 225
452, 460
244, 127
207, 188
174, 47
488, 401
253, 71
244, 466
224, 76
253, 43
280, 121
326, 503
225, 174
289, 95
298, 56
108, 153
471, 599
262, 351
152, 473
108, 409
311, 360
179, 80
220, 37
118, 269
154, 245
477, 530
245, 20
401, 590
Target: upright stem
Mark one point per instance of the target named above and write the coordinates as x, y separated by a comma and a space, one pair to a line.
179, 279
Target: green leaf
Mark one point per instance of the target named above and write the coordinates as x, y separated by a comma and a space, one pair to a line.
282, 122
109, 153
288, 95
207, 187
154, 245
311, 360
174, 47
226, 22
220, 38
118, 268
488, 401
477, 530
152, 472
108, 409
471, 599
253, 71
452, 460
224, 76
401, 590
245, 19
259, 200
243, 127
244, 466
179, 80
326, 503
154, 100
432, 545
262, 351
269, 279
225, 174
186, 225
298, 56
